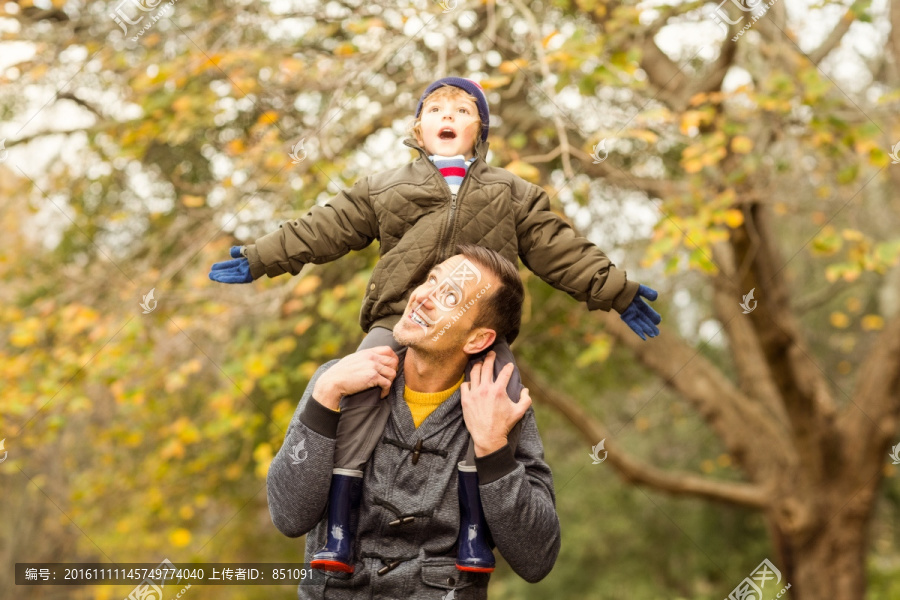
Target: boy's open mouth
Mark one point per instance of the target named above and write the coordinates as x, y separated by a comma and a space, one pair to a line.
447, 134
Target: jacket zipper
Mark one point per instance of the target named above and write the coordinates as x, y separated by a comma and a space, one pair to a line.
452, 214
453, 197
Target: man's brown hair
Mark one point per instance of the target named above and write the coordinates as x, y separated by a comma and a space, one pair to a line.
501, 310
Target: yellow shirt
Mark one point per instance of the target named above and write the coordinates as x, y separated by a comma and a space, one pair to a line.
422, 404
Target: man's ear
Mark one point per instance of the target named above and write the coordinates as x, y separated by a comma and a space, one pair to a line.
479, 339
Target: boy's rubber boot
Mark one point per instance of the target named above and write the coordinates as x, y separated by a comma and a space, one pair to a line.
474, 552
343, 511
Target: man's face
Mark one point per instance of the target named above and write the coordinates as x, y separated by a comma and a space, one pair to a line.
449, 126
439, 315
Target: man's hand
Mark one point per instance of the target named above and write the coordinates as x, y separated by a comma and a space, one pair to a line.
487, 410
374, 367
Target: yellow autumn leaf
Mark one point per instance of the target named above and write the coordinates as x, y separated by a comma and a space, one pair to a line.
643, 134
345, 49
180, 538
492, 83
25, 333
308, 284
270, 117
852, 235
193, 201
174, 449
741, 144
524, 170
508, 67
697, 99
689, 120
256, 367
303, 325
182, 104
546, 41
839, 320
235, 147
734, 218
692, 166
873, 323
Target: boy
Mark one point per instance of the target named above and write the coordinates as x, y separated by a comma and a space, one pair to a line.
419, 213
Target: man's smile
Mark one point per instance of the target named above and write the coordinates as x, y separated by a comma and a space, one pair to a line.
416, 318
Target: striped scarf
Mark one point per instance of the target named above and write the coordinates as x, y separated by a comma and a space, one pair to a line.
453, 168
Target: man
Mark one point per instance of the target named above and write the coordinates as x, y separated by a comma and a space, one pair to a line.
418, 505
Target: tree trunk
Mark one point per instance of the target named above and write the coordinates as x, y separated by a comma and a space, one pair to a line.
830, 564
824, 557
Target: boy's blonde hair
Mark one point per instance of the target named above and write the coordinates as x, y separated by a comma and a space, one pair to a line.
448, 92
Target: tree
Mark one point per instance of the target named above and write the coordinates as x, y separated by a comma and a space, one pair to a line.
177, 143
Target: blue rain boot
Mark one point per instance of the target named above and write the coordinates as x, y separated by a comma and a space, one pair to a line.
343, 510
474, 552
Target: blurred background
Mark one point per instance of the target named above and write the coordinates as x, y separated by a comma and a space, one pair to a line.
738, 158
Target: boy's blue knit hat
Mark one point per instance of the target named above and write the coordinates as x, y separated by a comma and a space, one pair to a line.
470, 86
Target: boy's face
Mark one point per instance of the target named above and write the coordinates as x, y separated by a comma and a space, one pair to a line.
449, 126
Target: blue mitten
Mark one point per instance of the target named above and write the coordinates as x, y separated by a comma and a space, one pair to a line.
640, 317
232, 271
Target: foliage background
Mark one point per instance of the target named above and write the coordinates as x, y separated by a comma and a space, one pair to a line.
134, 165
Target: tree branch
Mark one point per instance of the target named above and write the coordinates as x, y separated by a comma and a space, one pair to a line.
665, 75
635, 471
801, 385
837, 34
545, 86
744, 426
871, 420
96, 128
82, 103
892, 49
753, 371
654, 188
